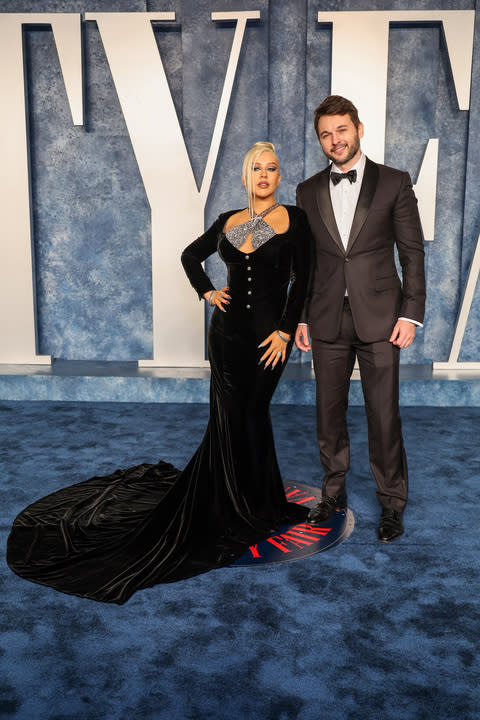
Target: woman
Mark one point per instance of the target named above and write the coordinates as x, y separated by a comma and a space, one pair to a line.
107, 537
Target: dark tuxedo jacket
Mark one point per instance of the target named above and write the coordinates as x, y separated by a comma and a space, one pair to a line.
386, 216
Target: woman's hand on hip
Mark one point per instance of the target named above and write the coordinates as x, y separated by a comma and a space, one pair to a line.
276, 344
218, 298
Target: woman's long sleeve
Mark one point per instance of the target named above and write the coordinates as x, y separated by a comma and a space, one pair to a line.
299, 275
196, 253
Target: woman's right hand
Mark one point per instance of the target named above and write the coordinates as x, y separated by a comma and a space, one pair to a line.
218, 298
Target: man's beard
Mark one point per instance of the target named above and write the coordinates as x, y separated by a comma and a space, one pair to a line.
355, 147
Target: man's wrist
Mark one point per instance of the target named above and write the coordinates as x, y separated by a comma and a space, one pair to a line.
415, 322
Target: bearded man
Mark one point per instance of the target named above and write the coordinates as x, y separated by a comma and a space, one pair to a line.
357, 306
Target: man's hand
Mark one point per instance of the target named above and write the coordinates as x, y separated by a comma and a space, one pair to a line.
403, 334
302, 341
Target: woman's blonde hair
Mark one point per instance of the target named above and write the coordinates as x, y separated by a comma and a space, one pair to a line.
247, 169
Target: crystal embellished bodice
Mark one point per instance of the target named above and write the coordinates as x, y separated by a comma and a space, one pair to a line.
260, 230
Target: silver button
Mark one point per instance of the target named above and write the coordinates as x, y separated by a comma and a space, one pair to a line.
248, 307
249, 268
249, 279
246, 257
249, 292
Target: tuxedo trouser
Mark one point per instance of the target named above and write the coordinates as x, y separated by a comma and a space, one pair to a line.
379, 371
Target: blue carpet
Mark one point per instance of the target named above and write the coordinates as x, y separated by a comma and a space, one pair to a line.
363, 631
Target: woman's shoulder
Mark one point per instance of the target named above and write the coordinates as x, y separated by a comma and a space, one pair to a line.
296, 213
233, 217
229, 217
299, 226
294, 209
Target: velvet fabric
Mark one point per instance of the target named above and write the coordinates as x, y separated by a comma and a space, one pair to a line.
109, 536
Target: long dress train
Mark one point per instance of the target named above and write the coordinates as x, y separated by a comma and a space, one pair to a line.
109, 536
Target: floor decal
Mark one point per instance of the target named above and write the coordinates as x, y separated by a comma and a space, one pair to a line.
294, 542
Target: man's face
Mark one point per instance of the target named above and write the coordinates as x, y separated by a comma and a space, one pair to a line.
340, 139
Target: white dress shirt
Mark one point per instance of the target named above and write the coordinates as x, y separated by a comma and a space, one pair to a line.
344, 196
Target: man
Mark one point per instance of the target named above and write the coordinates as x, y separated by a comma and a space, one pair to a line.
357, 306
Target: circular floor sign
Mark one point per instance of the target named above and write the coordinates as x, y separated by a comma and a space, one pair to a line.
293, 542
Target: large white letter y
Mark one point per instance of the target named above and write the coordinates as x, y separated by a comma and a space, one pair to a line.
177, 205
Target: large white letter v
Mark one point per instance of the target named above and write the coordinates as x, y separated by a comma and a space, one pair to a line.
17, 285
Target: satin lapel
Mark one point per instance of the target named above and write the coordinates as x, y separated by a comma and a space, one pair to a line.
325, 207
367, 191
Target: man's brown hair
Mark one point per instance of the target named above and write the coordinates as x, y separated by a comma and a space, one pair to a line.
335, 105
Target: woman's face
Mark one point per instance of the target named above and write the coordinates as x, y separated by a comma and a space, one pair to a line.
265, 174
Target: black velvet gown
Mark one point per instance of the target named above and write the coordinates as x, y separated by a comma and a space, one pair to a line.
109, 536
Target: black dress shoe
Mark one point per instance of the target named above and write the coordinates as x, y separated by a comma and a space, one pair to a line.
391, 525
324, 510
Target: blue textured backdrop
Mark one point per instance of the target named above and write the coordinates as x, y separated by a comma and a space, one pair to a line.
91, 215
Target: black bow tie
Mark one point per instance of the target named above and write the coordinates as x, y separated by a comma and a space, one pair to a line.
336, 177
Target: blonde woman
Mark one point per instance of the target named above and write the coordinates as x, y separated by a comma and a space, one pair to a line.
108, 537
